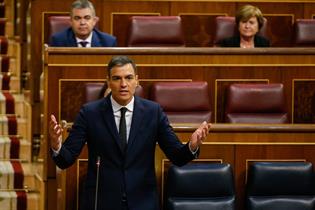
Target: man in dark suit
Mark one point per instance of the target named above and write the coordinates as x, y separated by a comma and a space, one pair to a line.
125, 141
82, 32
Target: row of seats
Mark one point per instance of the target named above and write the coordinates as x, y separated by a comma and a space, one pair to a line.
270, 186
149, 31
189, 102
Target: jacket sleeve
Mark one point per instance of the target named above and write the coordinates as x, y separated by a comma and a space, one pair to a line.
178, 153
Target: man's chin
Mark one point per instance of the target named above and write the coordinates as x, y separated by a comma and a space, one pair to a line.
82, 35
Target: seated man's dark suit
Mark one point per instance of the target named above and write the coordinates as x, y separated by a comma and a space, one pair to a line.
67, 38
235, 41
132, 172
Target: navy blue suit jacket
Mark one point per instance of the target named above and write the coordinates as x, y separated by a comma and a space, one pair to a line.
66, 38
95, 125
235, 41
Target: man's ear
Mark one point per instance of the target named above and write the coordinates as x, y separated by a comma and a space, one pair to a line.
95, 19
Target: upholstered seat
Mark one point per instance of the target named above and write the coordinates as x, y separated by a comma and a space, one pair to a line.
200, 187
255, 103
155, 31
58, 23
305, 32
183, 102
280, 185
225, 27
96, 90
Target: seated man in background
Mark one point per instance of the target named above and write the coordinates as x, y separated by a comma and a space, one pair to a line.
82, 32
249, 20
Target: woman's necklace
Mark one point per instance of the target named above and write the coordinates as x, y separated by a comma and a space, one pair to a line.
247, 45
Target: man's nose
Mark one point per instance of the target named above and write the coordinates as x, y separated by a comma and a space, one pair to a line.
82, 21
123, 83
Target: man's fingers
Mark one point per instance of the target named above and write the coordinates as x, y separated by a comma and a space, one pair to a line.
203, 130
53, 118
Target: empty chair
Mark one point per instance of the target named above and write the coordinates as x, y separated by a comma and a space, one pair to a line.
305, 32
183, 102
96, 90
155, 31
57, 23
280, 185
255, 103
200, 187
225, 27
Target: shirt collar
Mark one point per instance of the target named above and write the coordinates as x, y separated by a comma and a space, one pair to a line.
88, 39
116, 106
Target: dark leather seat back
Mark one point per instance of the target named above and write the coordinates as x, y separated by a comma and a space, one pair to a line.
305, 32
225, 27
155, 31
96, 90
58, 23
280, 185
200, 187
183, 102
255, 103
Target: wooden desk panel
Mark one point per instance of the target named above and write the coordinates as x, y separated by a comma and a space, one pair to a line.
214, 65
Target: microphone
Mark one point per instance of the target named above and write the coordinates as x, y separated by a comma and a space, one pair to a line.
98, 163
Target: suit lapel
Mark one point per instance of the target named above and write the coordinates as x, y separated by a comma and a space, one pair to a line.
95, 40
110, 121
72, 42
136, 121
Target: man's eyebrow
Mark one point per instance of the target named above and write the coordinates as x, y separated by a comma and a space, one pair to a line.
85, 16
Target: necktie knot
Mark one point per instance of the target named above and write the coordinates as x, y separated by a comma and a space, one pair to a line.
83, 43
123, 111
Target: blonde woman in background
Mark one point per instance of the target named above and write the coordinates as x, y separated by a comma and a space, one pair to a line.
249, 20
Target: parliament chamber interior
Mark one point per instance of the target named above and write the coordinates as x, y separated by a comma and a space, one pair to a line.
260, 101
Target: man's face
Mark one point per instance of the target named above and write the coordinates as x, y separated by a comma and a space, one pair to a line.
82, 22
123, 83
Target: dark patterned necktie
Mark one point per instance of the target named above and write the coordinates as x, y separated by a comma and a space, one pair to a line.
83, 43
123, 128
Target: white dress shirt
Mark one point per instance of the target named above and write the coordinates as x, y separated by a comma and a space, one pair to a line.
88, 40
128, 115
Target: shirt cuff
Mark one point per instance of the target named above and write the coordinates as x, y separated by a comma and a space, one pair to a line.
55, 152
193, 152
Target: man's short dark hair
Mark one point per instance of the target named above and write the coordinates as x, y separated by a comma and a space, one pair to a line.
82, 4
120, 61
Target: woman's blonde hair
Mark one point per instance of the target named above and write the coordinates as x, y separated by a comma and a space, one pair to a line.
246, 12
